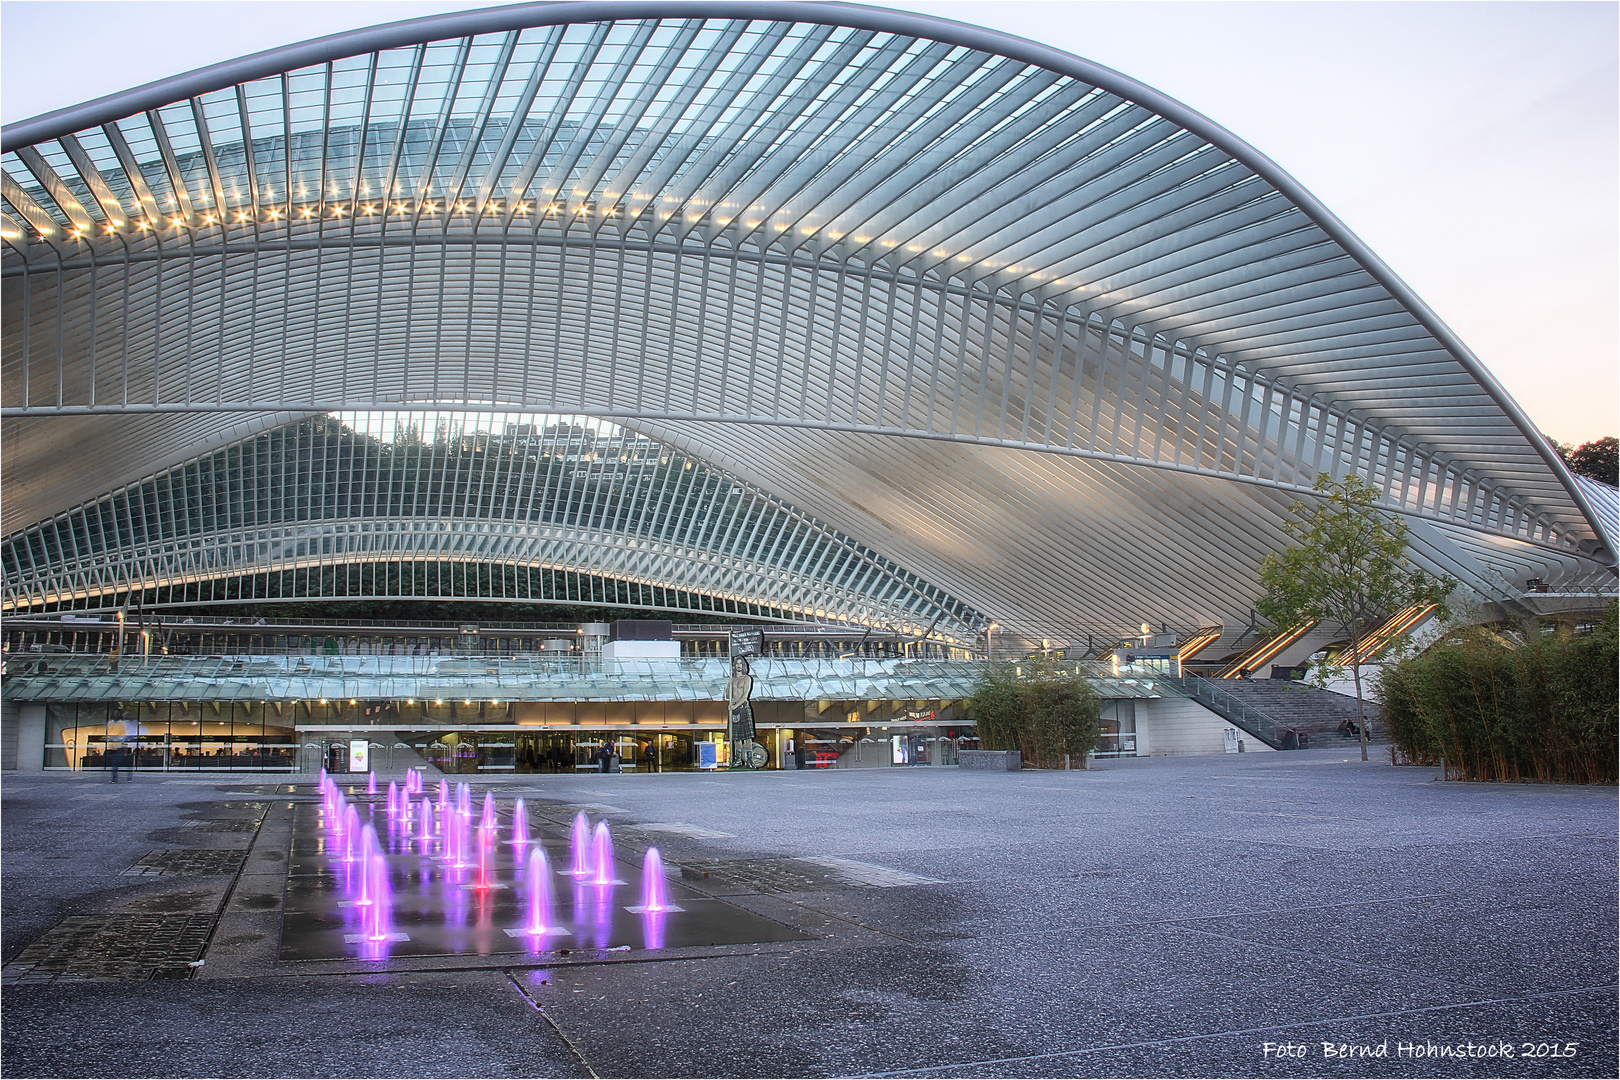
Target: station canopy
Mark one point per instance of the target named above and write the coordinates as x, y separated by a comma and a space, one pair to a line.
798, 311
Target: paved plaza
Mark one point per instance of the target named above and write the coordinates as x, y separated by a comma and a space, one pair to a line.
1194, 916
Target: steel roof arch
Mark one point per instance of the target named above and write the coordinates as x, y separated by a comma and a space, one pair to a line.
1182, 290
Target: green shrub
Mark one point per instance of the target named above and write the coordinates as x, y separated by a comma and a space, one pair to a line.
1039, 709
1531, 706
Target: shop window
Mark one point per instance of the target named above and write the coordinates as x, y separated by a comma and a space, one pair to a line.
1117, 724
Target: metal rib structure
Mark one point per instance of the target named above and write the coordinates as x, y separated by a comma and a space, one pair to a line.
1032, 331
457, 506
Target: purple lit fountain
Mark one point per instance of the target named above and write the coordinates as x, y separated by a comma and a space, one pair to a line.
654, 890
602, 856
371, 782
486, 823
368, 851
537, 922
520, 826
425, 833
579, 845
351, 832
377, 917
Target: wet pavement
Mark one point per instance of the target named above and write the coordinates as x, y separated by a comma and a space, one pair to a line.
1265, 915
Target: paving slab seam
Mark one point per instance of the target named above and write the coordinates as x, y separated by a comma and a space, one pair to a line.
1055, 1055
263, 840
433, 964
535, 1005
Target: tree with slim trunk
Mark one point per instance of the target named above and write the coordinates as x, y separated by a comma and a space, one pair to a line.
1347, 569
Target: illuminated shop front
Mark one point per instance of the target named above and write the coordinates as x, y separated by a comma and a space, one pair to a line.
523, 716
175, 736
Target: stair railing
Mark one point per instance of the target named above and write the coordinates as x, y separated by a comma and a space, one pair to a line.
1227, 707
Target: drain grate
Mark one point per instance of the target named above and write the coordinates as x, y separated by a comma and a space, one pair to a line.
796, 875
224, 826
112, 948
760, 875
186, 861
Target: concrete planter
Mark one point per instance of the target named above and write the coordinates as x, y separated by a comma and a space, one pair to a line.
992, 760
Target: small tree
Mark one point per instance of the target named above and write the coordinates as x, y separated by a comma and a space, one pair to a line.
1348, 569
998, 707
1060, 713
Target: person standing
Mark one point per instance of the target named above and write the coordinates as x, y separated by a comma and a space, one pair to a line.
118, 739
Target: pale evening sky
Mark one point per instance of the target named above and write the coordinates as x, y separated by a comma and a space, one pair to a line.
1474, 146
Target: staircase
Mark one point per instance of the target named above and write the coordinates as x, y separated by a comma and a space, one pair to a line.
1306, 709
1213, 696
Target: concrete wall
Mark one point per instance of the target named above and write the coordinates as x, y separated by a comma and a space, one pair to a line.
1176, 725
10, 719
29, 755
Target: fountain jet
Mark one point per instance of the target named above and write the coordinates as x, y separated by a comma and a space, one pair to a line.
378, 919
602, 855
654, 892
539, 899
520, 825
426, 832
579, 845
368, 852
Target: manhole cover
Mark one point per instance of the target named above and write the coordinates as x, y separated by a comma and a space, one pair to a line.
112, 948
186, 861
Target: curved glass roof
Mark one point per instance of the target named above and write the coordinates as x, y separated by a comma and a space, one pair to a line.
767, 234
